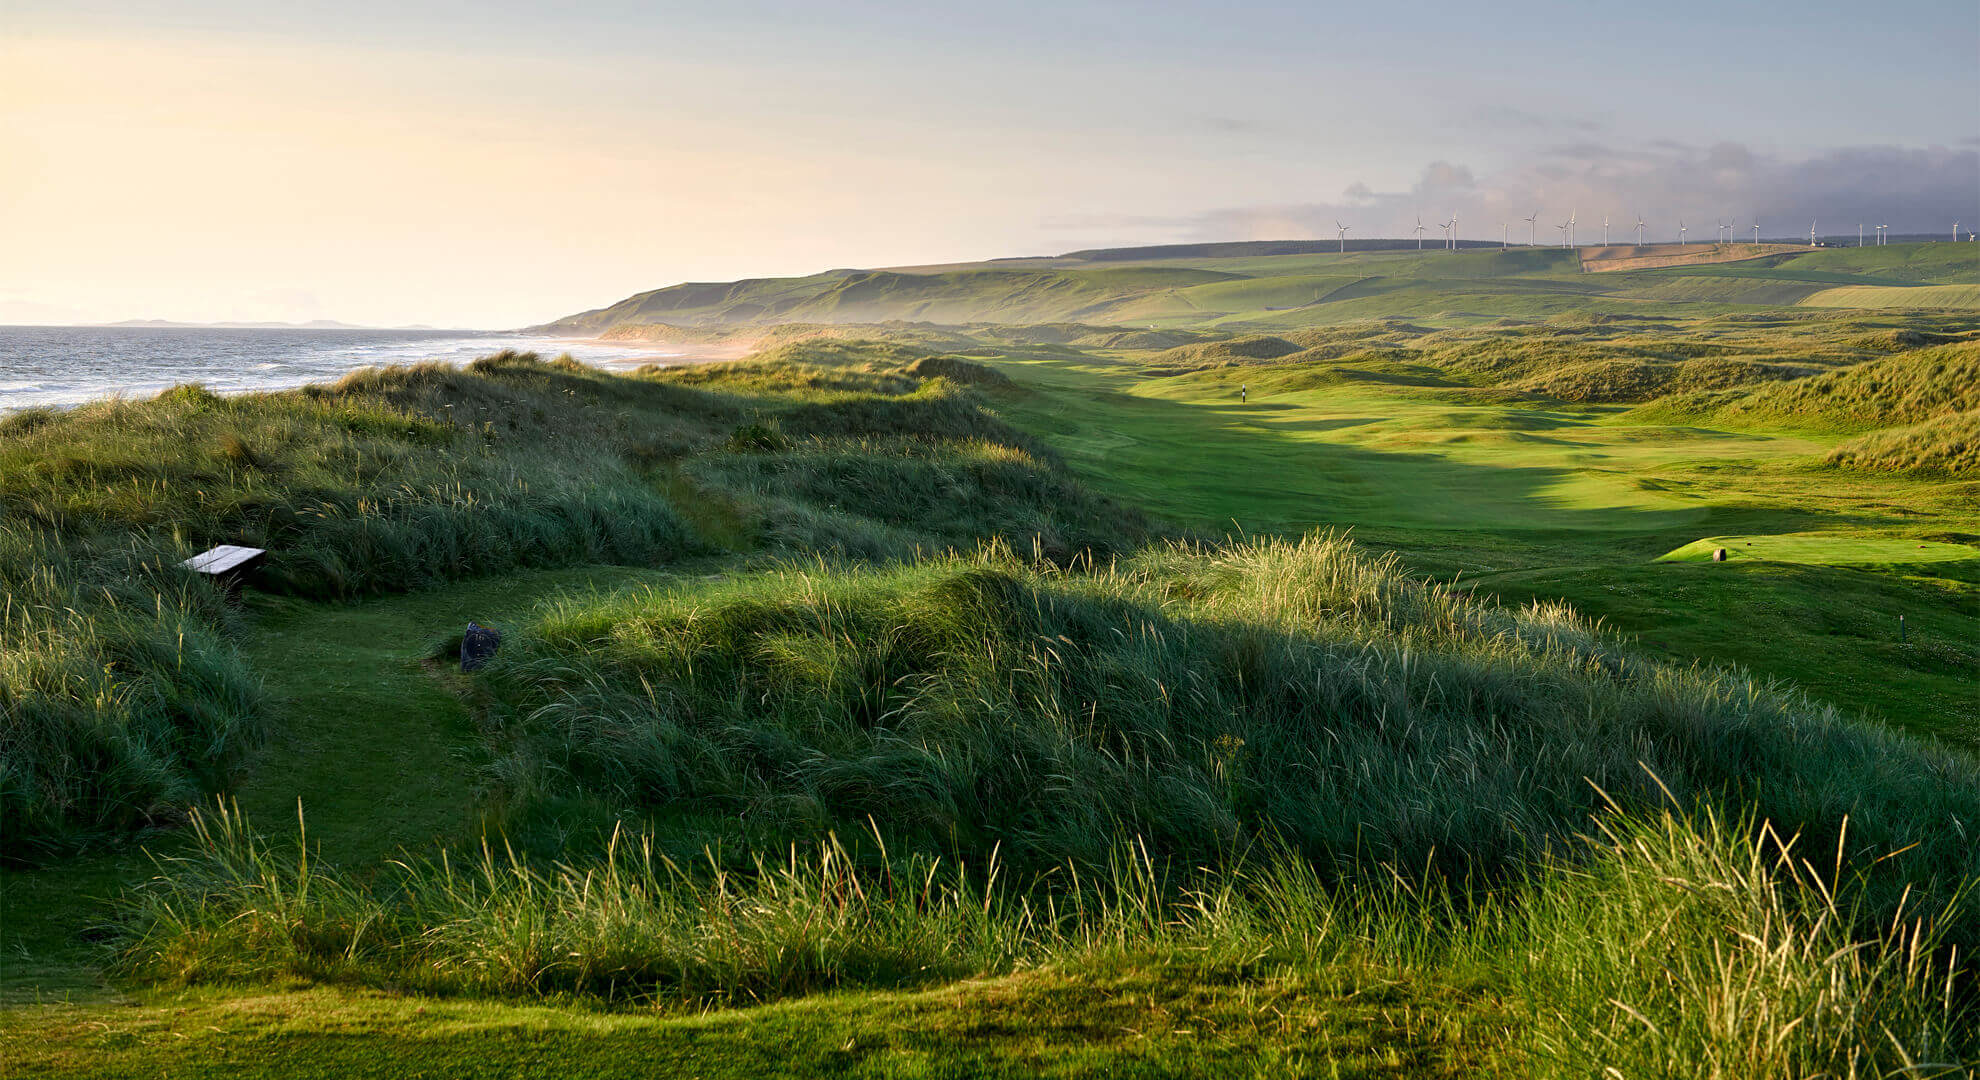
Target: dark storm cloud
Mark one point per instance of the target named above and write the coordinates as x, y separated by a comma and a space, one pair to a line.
1912, 190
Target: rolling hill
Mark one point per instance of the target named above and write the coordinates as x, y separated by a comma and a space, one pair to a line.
1305, 283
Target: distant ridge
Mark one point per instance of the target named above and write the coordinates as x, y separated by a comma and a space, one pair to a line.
1239, 249
313, 324
1260, 284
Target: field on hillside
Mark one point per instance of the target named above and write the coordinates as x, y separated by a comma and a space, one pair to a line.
1233, 289
1292, 664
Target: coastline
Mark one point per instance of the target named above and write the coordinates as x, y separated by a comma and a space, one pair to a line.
64, 367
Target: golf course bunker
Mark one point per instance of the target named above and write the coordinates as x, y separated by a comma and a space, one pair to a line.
1822, 550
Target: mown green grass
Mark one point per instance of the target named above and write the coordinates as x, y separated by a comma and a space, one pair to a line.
1140, 1020
1959, 297
1536, 498
1825, 550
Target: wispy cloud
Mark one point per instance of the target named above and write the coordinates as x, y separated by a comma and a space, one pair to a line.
1225, 125
1511, 118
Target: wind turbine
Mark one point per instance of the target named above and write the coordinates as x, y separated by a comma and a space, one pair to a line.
1883, 235
1680, 232
1859, 234
1730, 222
1529, 227
1454, 219
1811, 234
1719, 233
1571, 219
1756, 232
1605, 230
1563, 226
1505, 234
1446, 226
1419, 232
1639, 230
1343, 231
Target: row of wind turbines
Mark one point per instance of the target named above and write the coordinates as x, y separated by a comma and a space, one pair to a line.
1727, 231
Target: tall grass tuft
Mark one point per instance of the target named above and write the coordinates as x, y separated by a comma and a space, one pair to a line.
120, 698
1668, 945
1690, 947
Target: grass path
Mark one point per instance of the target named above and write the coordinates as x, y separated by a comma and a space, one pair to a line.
367, 740
368, 733
1135, 1021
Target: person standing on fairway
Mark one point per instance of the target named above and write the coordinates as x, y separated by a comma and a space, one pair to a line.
1244, 393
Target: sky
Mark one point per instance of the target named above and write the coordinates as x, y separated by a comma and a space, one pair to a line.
496, 164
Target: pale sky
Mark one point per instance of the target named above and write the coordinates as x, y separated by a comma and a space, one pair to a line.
498, 164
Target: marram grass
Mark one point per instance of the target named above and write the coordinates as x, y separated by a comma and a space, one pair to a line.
1667, 944
1197, 697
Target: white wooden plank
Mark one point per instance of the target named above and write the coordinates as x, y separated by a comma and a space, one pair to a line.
222, 559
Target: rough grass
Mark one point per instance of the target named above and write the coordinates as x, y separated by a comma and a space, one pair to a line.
120, 697
1947, 445
1907, 388
1195, 698
1637, 380
386, 479
122, 694
1579, 357
1668, 945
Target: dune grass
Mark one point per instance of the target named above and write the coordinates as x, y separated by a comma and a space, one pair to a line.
1908, 388
1197, 699
1758, 967
123, 692
1946, 445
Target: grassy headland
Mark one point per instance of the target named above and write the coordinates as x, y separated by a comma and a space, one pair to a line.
897, 695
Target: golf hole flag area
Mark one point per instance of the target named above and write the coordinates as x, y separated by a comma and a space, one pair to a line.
1819, 549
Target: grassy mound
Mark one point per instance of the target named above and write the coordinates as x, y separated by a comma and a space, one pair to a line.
387, 479
1907, 388
1235, 350
1196, 699
1622, 380
1947, 445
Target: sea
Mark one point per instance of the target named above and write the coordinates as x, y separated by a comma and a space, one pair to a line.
68, 365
